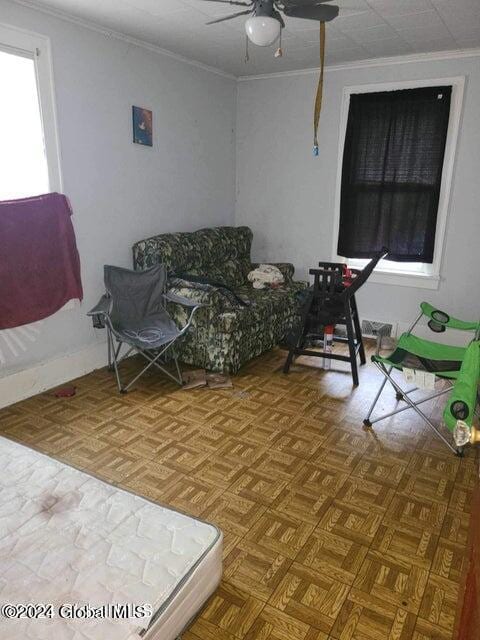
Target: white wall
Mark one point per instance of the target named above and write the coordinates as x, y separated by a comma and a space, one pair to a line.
288, 197
122, 192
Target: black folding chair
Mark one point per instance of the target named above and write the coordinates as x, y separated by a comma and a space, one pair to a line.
134, 312
330, 302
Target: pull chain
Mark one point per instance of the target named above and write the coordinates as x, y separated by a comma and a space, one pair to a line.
319, 97
279, 51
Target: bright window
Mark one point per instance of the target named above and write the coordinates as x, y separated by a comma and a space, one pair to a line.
23, 163
29, 157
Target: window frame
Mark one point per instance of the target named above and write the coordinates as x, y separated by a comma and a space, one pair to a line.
427, 276
37, 47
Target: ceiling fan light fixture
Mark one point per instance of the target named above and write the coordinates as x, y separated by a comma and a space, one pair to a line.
263, 30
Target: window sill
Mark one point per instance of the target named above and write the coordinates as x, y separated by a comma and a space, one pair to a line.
417, 280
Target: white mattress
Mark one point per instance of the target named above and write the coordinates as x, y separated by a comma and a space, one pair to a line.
69, 538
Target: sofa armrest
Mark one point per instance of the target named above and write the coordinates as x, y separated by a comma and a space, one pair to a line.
287, 269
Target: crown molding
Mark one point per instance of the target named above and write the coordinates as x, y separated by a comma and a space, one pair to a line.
355, 64
372, 62
110, 33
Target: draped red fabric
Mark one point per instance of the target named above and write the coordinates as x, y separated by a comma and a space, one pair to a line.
39, 261
468, 614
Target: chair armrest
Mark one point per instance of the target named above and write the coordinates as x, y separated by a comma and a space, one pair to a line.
102, 307
185, 302
286, 268
440, 318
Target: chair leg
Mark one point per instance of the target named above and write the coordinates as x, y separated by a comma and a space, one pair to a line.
416, 409
367, 421
153, 361
351, 346
109, 347
300, 335
299, 343
289, 360
358, 331
179, 373
115, 353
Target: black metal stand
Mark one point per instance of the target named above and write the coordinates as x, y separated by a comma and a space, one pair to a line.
309, 329
331, 303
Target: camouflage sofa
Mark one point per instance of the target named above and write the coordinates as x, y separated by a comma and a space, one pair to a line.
225, 334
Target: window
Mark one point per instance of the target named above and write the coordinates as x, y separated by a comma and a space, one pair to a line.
29, 162
395, 167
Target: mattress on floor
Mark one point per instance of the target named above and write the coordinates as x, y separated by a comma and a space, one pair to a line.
67, 538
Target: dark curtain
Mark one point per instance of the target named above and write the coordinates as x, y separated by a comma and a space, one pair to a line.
392, 170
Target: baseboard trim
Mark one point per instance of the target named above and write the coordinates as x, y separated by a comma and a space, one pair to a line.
24, 384
27, 383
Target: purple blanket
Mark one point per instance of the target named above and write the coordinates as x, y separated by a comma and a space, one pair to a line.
39, 261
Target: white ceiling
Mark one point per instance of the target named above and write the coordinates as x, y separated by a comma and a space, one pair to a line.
364, 29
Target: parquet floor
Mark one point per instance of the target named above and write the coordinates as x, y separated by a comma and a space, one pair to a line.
331, 532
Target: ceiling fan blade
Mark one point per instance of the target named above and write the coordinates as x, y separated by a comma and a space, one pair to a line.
320, 12
235, 2
303, 3
232, 15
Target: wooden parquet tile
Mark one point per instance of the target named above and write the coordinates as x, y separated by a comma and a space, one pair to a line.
429, 465
338, 460
352, 522
388, 472
449, 560
330, 532
234, 513
439, 604
261, 434
417, 546
364, 617
272, 624
255, 569
319, 478
280, 533
333, 556
152, 480
372, 496
192, 495
392, 580
310, 596
279, 464
430, 487
259, 486
232, 610
302, 504
416, 512
455, 526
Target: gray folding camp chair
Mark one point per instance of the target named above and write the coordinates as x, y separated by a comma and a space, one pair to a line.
133, 310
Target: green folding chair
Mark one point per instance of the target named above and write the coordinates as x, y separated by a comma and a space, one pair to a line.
459, 367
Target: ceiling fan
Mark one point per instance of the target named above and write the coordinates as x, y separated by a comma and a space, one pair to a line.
266, 21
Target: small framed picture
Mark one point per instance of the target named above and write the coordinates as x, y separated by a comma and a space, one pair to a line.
142, 126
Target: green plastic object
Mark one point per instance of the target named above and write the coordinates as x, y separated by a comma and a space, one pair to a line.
463, 397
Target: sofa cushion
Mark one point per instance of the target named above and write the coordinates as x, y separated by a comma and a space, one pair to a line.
266, 306
221, 254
